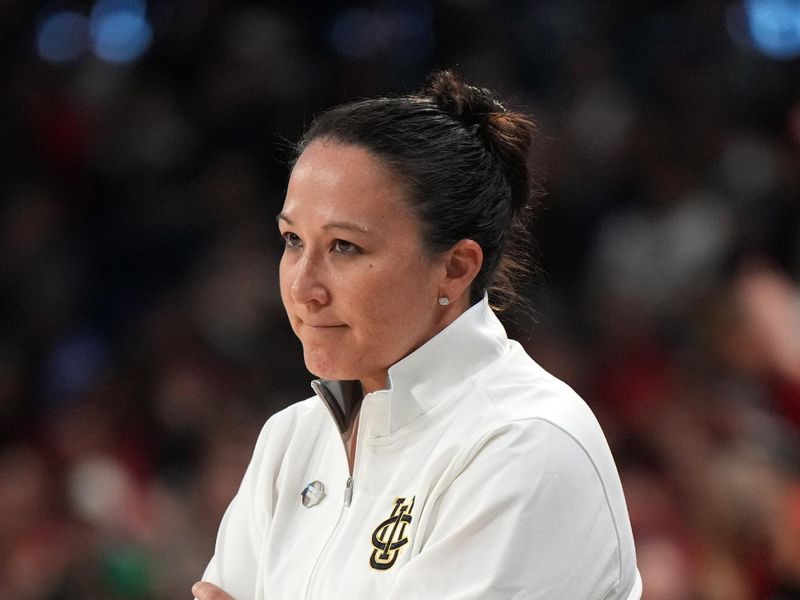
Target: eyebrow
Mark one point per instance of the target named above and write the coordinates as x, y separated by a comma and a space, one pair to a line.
332, 225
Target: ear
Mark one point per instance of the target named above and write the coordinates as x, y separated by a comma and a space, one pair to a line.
462, 263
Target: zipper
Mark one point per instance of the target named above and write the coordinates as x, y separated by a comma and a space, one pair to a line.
323, 552
347, 500
348, 488
348, 491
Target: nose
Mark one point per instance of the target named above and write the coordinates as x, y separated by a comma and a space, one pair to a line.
307, 283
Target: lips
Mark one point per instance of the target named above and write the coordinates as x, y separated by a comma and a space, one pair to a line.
321, 332
322, 325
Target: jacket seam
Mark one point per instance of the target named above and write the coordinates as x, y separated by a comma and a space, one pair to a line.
596, 470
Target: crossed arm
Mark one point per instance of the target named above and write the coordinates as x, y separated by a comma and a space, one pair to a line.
203, 590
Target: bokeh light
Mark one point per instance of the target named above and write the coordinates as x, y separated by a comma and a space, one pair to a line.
770, 26
61, 36
119, 30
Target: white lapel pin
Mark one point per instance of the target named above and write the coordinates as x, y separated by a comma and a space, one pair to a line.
313, 494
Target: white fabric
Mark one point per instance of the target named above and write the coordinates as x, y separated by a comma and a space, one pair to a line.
515, 493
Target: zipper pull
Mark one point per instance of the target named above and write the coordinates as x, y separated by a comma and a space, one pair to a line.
348, 491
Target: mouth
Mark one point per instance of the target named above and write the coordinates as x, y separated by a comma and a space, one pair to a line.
322, 326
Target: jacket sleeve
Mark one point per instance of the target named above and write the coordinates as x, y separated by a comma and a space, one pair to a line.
234, 566
525, 517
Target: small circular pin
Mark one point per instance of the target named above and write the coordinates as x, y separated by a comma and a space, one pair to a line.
313, 494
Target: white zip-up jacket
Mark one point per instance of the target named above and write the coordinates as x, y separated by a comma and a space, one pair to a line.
477, 476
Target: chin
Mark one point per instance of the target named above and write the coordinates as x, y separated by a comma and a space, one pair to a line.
329, 369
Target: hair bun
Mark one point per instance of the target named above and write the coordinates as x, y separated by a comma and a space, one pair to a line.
464, 102
507, 134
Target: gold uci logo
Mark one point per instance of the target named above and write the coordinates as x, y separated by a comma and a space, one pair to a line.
390, 536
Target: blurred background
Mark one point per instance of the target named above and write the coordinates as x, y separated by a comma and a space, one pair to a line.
143, 150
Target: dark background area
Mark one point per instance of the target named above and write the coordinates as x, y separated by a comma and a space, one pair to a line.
143, 151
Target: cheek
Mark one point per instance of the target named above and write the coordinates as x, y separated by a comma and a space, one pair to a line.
284, 281
285, 284
394, 304
408, 284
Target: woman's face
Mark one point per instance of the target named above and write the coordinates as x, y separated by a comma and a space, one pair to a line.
360, 290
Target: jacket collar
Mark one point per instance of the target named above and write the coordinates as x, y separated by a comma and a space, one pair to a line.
420, 381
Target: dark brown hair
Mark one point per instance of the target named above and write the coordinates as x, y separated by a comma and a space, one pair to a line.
464, 157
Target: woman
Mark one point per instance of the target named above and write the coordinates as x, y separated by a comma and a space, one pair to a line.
436, 459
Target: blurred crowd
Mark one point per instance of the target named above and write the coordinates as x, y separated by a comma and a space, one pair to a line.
142, 340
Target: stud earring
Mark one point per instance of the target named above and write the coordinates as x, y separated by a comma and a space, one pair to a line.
444, 301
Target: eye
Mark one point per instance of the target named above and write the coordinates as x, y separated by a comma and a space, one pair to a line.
344, 247
292, 240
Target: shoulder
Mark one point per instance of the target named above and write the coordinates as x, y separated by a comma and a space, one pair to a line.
517, 389
297, 414
291, 425
532, 419
539, 442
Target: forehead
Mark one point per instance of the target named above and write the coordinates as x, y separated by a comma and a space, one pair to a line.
340, 181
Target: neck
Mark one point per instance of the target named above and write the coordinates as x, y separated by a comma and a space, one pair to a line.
373, 384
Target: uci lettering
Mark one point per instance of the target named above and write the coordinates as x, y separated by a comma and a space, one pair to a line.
390, 536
